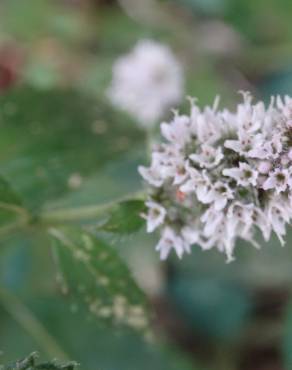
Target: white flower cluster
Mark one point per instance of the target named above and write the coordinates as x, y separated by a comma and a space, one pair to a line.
220, 175
147, 82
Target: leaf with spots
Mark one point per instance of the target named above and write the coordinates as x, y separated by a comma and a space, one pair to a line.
91, 272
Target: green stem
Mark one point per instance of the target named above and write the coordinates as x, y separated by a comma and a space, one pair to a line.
26, 319
73, 214
12, 227
23, 219
13, 208
84, 213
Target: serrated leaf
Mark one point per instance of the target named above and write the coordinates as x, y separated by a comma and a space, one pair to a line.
23, 364
30, 363
125, 217
92, 272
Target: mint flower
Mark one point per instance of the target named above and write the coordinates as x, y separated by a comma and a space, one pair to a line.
147, 82
220, 175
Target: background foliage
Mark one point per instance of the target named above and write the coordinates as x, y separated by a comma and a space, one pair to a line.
79, 279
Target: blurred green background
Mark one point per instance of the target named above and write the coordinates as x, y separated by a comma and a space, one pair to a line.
63, 145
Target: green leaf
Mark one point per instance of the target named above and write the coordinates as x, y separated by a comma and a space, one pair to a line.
30, 363
103, 349
11, 211
93, 273
125, 217
52, 141
7, 195
26, 319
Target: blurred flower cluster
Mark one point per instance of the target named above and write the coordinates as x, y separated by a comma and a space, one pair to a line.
221, 175
147, 82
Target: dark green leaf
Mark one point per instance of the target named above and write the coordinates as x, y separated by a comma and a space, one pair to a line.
51, 141
92, 272
30, 363
10, 206
125, 217
7, 194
